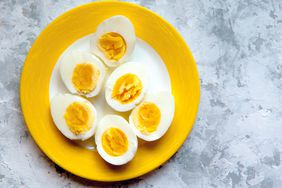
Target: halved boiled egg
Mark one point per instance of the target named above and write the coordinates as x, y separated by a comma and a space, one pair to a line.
126, 86
115, 140
114, 40
151, 118
83, 73
74, 116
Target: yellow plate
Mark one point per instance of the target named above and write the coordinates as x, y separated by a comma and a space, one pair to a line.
36, 74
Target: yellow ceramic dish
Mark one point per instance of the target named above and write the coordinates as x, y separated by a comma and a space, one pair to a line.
62, 32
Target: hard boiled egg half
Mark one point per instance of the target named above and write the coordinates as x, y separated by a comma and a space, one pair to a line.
151, 119
115, 140
83, 73
114, 40
74, 116
126, 86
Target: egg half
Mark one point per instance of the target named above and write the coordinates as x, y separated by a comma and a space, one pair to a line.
126, 86
114, 40
82, 73
74, 116
151, 119
115, 140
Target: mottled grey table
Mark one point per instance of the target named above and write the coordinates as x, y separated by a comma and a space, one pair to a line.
237, 138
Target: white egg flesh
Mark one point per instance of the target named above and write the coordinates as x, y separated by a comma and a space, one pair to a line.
114, 40
115, 140
152, 118
74, 116
82, 73
126, 86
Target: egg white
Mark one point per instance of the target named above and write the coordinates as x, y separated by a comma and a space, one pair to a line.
130, 67
68, 64
115, 121
59, 104
165, 102
117, 24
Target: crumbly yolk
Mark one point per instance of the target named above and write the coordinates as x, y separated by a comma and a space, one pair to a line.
78, 117
147, 117
85, 77
127, 88
114, 142
112, 45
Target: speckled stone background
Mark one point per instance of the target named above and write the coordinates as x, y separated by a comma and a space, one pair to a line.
237, 138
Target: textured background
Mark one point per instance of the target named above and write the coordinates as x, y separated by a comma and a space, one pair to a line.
236, 140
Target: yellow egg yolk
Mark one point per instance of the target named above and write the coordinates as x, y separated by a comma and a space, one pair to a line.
127, 88
78, 117
114, 142
112, 45
85, 77
147, 117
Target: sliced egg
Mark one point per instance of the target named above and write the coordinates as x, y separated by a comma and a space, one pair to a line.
114, 40
115, 140
82, 73
74, 116
152, 118
126, 86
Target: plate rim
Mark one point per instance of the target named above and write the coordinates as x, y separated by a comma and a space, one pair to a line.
24, 69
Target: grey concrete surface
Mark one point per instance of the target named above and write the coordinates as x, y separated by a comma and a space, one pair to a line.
236, 140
